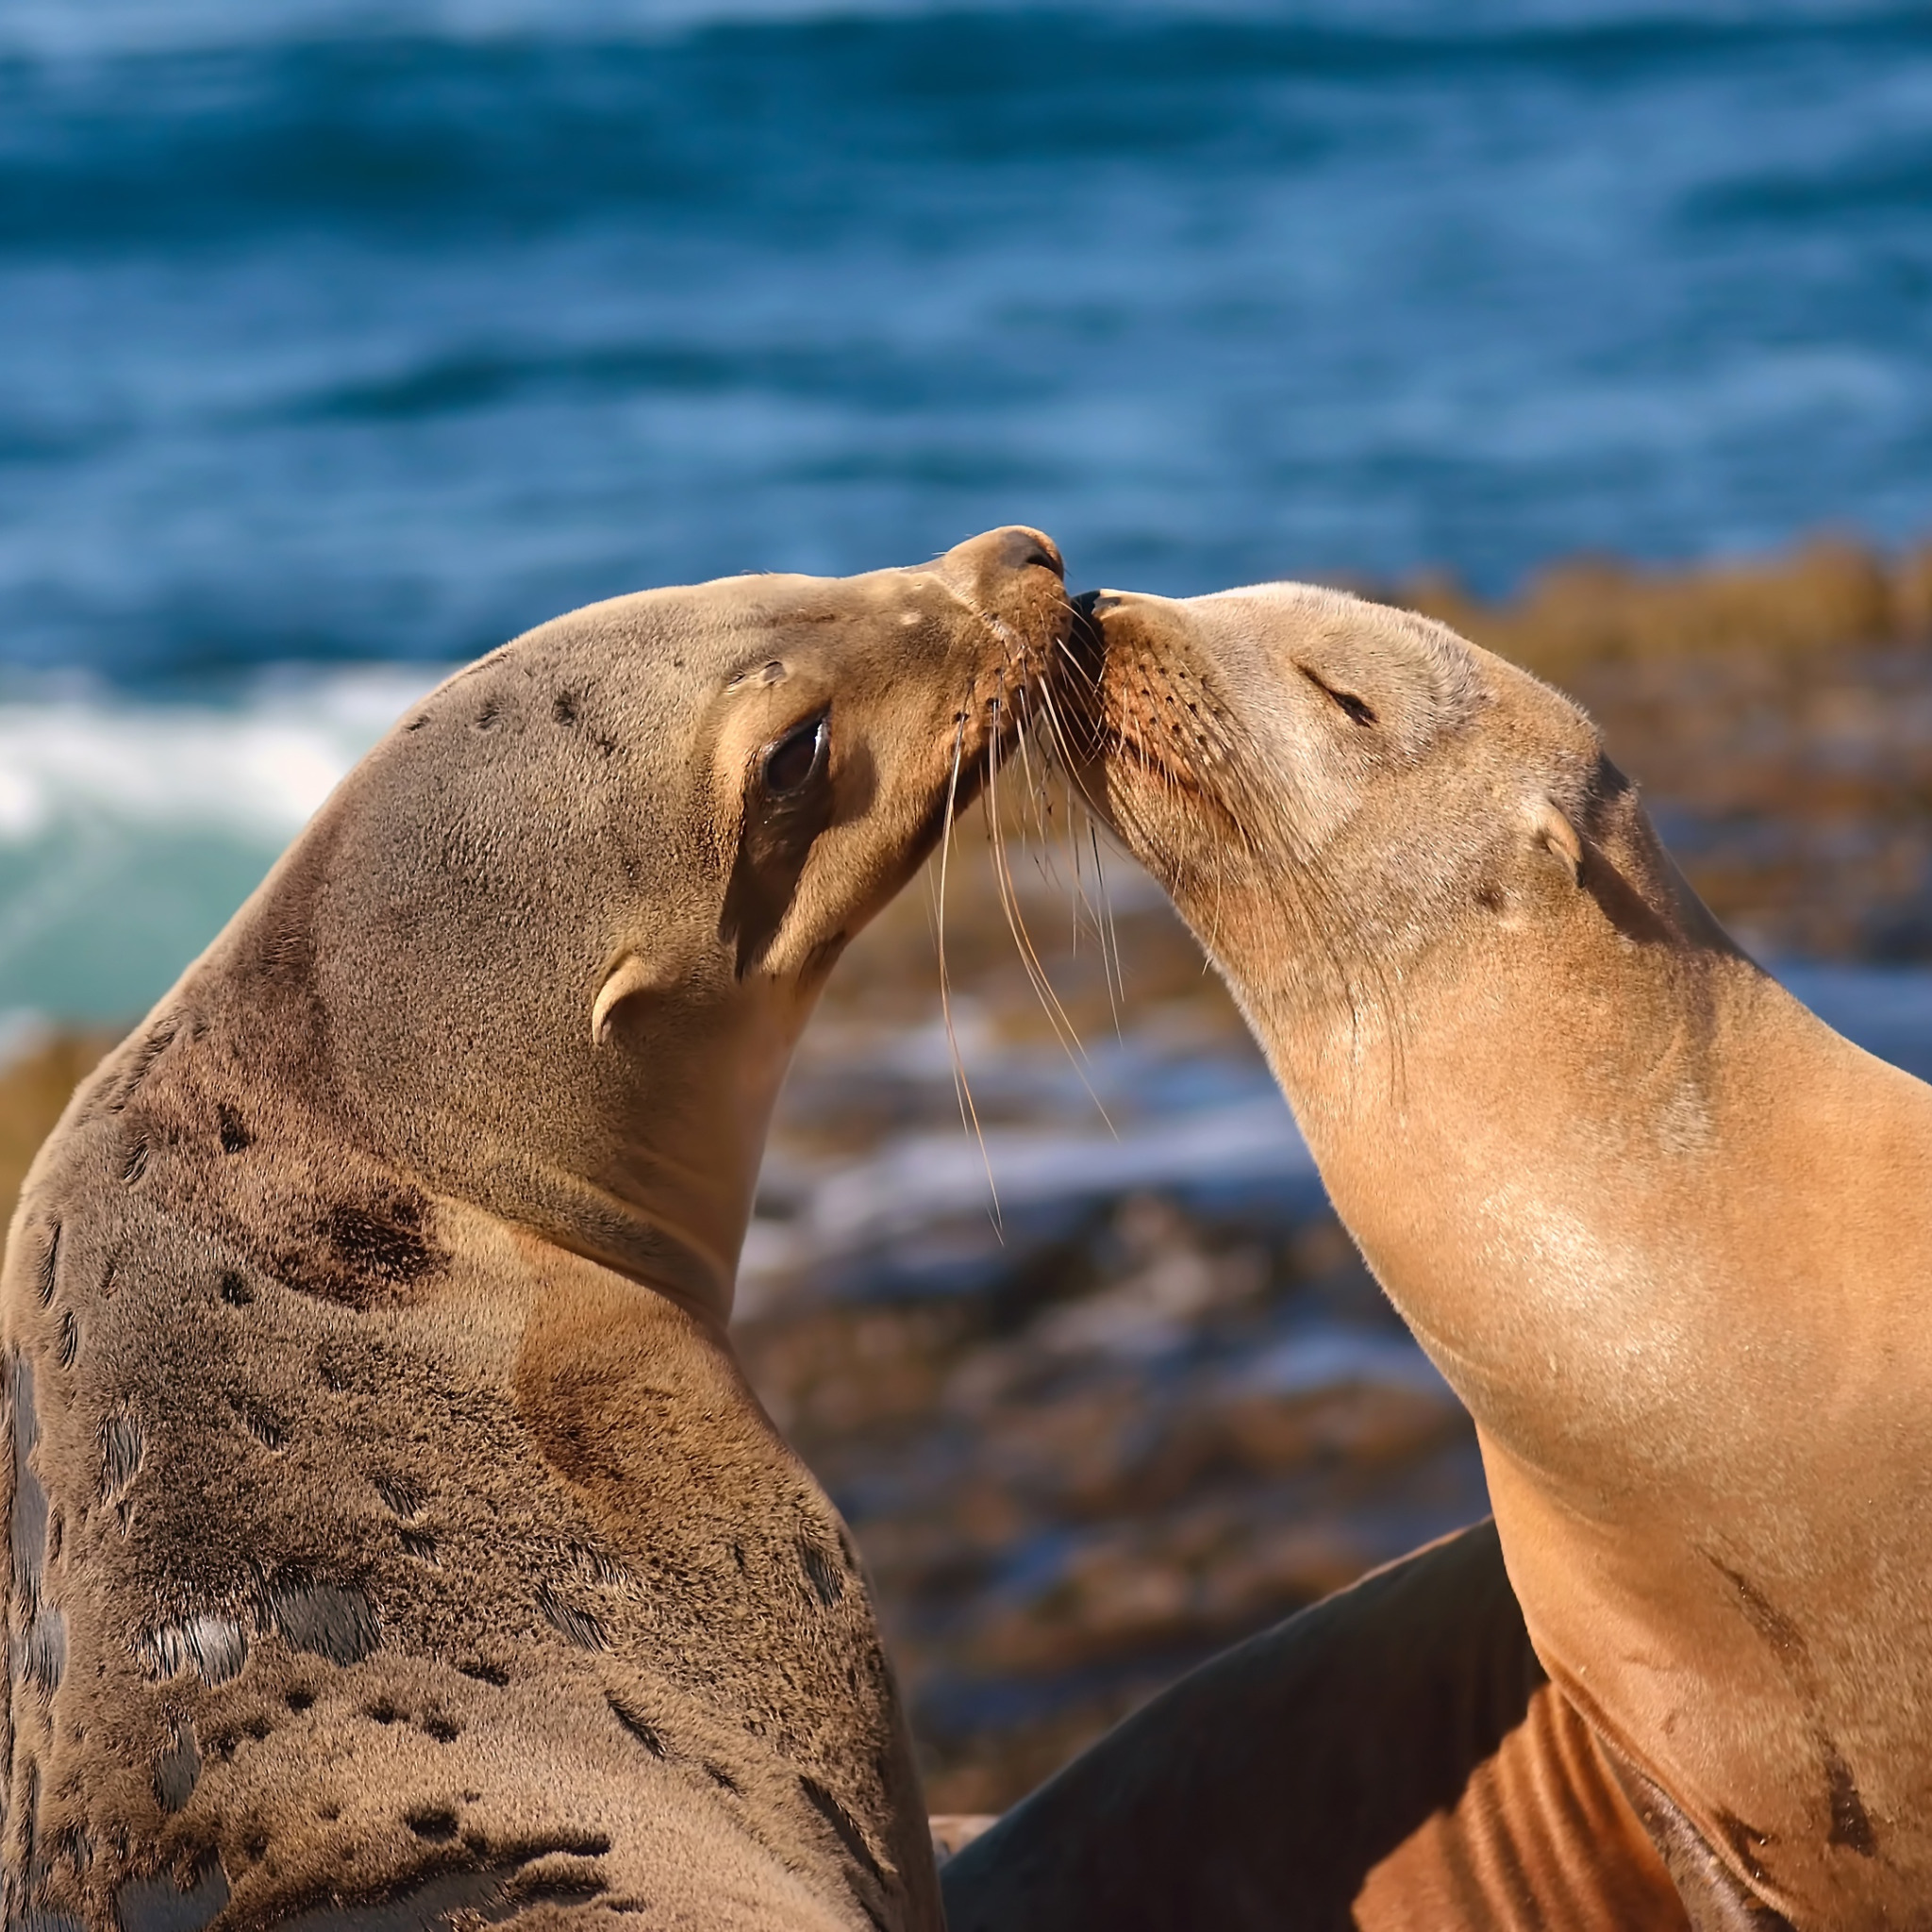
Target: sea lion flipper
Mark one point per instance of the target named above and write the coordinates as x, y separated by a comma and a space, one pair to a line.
1393, 1756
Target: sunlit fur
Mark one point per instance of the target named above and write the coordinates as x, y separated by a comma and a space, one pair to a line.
1668, 1236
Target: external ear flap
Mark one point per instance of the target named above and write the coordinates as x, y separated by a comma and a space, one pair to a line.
629, 975
1554, 831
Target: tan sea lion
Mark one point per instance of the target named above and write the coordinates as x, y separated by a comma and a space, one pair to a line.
1669, 1237
394, 1539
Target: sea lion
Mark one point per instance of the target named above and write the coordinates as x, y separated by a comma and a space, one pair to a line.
1668, 1236
394, 1539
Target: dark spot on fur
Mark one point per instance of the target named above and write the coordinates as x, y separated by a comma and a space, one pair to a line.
1490, 898
822, 1572
1745, 1843
266, 1428
38, 1655
420, 1546
367, 1250
123, 1445
824, 955
596, 1567
27, 1529
721, 1778
255, 1846
42, 1657
579, 1625
298, 1699
152, 1047
136, 1164
417, 723
606, 746
335, 1367
565, 709
1851, 1826
445, 1730
433, 1822
383, 1712
258, 1728
215, 1646
178, 1770
485, 1673
234, 1137
70, 1845
639, 1727
340, 1624
399, 1495
844, 1823
50, 1265
70, 1338
288, 953
1766, 1618
236, 1291
489, 716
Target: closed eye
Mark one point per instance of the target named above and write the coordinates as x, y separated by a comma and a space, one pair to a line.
1359, 709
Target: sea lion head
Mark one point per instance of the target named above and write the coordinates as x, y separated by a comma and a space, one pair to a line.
1329, 787
549, 946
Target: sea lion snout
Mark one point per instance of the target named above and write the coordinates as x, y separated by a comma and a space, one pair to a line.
1008, 552
1293, 723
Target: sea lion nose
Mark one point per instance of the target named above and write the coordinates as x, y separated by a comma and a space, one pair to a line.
1019, 549
997, 555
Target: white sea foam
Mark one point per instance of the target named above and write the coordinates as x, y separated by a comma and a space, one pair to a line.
257, 770
129, 832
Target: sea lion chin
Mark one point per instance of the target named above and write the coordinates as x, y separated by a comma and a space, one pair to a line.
1666, 1234
394, 1539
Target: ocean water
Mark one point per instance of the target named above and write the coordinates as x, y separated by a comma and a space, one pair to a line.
339, 341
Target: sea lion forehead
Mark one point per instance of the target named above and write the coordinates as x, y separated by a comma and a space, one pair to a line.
1262, 642
721, 614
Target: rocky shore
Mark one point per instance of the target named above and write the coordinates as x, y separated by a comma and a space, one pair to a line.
1154, 1402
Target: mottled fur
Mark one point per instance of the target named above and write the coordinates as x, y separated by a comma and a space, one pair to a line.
1669, 1237
394, 1540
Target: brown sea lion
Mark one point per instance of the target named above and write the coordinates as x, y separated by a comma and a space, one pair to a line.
1667, 1234
394, 1539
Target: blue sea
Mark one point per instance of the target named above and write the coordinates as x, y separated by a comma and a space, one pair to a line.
339, 341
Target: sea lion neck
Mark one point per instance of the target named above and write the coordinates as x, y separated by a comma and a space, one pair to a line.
637, 1147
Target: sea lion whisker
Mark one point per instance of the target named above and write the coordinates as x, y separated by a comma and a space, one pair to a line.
1108, 932
1058, 1017
962, 1087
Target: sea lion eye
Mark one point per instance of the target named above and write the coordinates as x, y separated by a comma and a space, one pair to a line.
1358, 709
791, 763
